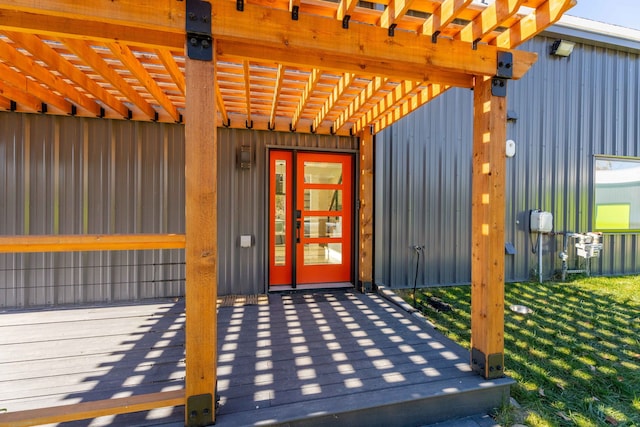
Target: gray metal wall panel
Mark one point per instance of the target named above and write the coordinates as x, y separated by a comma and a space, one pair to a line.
64, 175
422, 195
569, 109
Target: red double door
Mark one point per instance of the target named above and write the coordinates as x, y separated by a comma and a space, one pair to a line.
310, 217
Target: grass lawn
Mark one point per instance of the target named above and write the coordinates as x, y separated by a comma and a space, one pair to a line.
576, 358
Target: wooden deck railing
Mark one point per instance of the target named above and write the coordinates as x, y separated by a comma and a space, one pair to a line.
86, 410
90, 242
69, 243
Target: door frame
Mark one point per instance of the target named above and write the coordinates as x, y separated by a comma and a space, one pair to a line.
355, 224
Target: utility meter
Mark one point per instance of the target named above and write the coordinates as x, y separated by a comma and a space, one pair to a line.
540, 221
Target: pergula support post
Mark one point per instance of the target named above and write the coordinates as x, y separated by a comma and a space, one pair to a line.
201, 219
365, 213
488, 215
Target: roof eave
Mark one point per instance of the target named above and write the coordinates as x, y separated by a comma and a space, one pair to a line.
595, 33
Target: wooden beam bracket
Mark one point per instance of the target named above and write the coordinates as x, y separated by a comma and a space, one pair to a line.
295, 10
499, 87
200, 410
13, 105
391, 31
490, 367
434, 37
345, 21
198, 28
505, 65
504, 72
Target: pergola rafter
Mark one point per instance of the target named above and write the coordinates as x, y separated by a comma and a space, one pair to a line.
18, 82
14, 95
276, 94
135, 43
487, 21
309, 87
5, 103
359, 101
43, 51
443, 16
343, 84
10, 55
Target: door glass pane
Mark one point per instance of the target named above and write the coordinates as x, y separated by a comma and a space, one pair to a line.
322, 200
322, 173
322, 226
280, 223
322, 253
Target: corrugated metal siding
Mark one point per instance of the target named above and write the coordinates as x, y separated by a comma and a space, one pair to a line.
569, 109
65, 175
422, 180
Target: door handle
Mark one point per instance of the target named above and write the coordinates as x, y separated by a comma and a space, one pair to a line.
298, 231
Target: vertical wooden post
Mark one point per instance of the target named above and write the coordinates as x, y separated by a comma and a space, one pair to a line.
365, 235
488, 214
201, 240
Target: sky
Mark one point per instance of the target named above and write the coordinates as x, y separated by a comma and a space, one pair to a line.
625, 13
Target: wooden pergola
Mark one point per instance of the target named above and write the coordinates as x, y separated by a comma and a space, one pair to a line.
329, 67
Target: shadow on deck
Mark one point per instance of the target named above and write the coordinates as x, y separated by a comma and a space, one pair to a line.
314, 358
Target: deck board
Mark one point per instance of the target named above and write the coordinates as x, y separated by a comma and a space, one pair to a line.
308, 358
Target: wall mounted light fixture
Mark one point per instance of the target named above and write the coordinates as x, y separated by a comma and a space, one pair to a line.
562, 48
244, 157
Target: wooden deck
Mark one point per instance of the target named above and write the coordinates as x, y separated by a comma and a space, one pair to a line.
313, 358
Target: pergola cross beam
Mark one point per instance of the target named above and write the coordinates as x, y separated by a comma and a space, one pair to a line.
367, 48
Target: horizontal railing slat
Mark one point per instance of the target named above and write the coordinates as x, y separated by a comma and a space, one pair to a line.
90, 242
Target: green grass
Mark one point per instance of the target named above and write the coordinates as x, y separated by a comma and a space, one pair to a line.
576, 358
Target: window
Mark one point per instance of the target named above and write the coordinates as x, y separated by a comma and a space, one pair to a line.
617, 194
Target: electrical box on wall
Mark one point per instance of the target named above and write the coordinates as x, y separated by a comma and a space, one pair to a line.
246, 241
540, 221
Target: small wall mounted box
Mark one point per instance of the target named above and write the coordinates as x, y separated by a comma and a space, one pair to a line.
541, 222
245, 241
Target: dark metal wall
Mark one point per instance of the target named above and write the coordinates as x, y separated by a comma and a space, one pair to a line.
569, 109
79, 176
65, 175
